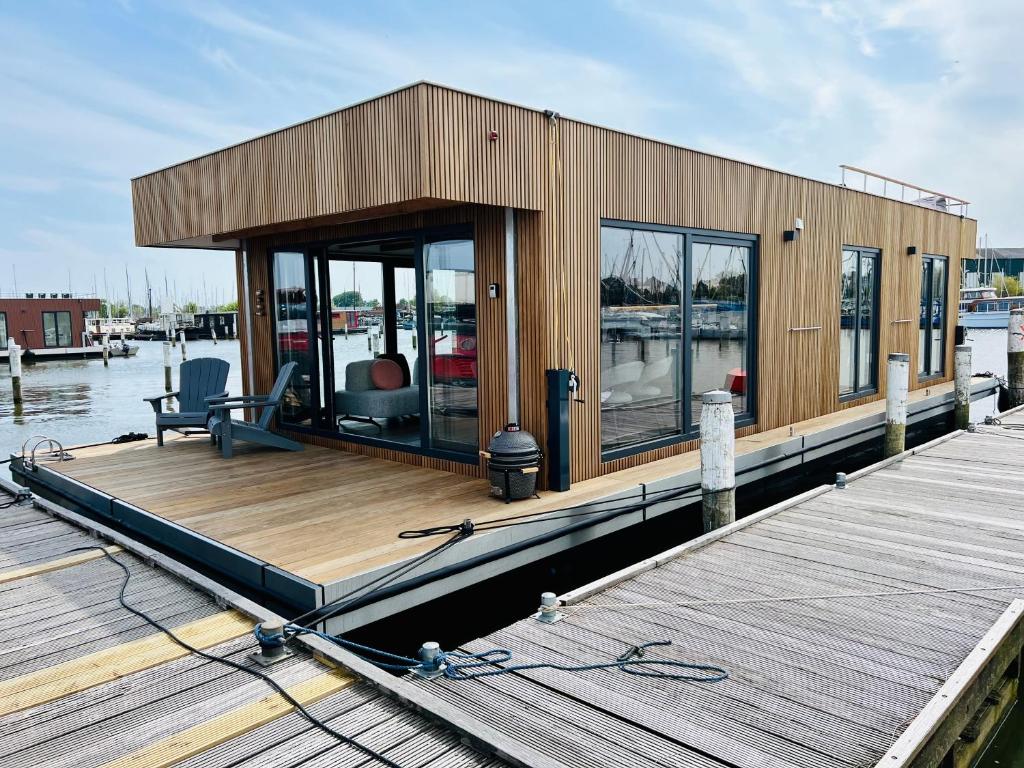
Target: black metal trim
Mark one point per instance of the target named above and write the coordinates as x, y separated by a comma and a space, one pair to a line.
689, 430
871, 387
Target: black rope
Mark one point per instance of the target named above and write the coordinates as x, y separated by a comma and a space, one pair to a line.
578, 510
342, 602
235, 665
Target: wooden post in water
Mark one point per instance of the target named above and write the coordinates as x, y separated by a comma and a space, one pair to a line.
1015, 357
169, 332
717, 460
962, 386
14, 360
167, 366
106, 349
183, 355
213, 332
896, 392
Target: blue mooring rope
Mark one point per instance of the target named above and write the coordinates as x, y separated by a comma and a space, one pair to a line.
468, 666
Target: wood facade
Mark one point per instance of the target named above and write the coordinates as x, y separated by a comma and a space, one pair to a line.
428, 155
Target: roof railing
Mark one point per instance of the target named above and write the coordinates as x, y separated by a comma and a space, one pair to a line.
928, 198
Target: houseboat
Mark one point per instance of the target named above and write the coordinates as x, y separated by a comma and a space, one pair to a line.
990, 313
584, 283
49, 327
112, 328
223, 325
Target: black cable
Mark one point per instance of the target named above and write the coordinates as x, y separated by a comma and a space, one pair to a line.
319, 615
235, 665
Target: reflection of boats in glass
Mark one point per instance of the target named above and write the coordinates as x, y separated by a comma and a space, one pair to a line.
719, 320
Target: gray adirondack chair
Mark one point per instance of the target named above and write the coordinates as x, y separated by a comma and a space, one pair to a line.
198, 380
225, 430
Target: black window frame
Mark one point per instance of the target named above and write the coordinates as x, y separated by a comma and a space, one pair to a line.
317, 280
56, 329
926, 375
3, 336
876, 297
691, 430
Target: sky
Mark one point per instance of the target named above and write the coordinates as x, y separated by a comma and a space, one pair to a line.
94, 93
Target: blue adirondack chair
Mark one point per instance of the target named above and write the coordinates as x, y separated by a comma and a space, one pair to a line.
198, 379
225, 430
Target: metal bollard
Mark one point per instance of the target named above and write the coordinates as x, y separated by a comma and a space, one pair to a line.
548, 612
431, 666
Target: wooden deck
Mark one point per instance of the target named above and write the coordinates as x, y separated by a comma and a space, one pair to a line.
329, 520
829, 665
86, 684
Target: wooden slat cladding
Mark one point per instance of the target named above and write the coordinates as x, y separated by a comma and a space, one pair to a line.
420, 142
492, 342
597, 173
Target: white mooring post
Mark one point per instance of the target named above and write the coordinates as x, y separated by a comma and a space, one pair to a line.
14, 360
896, 391
717, 460
213, 333
182, 339
106, 349
1015, 357
167, 366
962, 386
169, 332
376, 343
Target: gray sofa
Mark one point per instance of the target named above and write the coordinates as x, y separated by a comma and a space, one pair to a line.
360, 400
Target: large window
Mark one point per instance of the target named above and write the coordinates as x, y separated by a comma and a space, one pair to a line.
391, 324
676, 322
3, 330
56, 329
858, 322
931, 350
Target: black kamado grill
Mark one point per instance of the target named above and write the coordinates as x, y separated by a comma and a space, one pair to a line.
513, 462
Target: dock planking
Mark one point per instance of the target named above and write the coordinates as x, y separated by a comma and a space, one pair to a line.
837, 616
85, 684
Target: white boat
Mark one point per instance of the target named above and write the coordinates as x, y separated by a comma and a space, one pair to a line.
112, 327
982, 308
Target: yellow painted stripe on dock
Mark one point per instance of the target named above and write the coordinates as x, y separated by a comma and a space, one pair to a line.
55, 565
109, 664
199, 738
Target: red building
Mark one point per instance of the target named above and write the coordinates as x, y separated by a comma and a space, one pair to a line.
45, 323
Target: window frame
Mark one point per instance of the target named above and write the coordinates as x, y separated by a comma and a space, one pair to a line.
690, 430
56, 329
926, 375
876, 297
317, 277
4, 335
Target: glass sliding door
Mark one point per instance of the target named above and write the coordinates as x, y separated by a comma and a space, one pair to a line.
56, 329
295, 336
450, 356
858, 323
931, 350
720, 314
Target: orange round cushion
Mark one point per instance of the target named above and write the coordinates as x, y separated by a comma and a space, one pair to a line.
386, 374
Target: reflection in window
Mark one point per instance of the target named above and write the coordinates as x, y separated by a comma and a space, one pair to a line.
719, 292
451, 364
932, 337
3, 330
641, 335
291, 323
56, 329
858, 322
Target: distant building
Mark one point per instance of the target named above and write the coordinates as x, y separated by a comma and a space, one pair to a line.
991, 263
45, 321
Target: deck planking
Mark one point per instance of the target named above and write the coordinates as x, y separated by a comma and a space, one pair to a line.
327, 515
829, 680
179, 710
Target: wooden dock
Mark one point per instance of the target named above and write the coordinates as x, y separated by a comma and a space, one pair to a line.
86, 684
307, 527
859, 626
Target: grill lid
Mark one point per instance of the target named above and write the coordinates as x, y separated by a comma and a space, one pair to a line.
513, 442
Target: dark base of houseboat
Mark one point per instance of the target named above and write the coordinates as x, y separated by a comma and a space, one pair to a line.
763, 476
